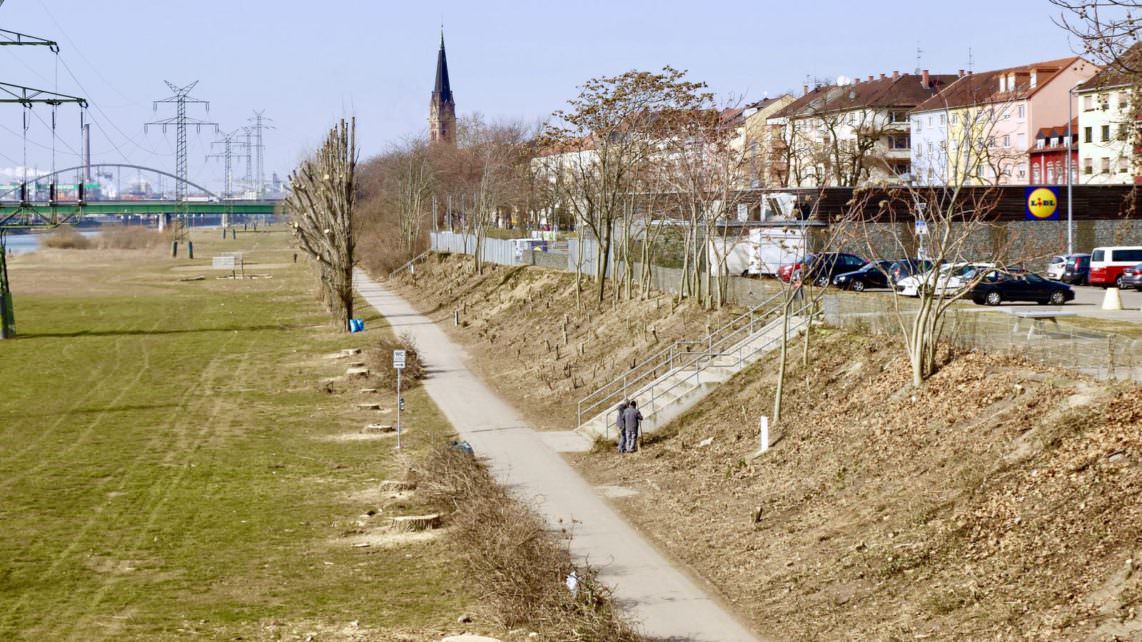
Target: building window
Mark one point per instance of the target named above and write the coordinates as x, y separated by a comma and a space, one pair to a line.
955, 118
1050, 173
1088, 103
1105, 164
1021, 140
1088, 166
1007, 140
898, 142
1035, 173
1106, 133
1123, 166
1088, 134
1040, 143
1022, 111
943, 119
898, 117
919, 124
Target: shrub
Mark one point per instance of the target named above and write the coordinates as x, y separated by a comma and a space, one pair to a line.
131, 237
65, 237
513, 557
380, 361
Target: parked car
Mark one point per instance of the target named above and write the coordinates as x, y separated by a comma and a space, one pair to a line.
874, 274
1056, 266
945, 282
1132, 277
905, 268
821, 268
1077, 269
1107, 264
997, 287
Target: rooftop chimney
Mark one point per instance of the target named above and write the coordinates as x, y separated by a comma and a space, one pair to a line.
896, 75
882, 76
804, 89
961, 73
870, 77
925, 78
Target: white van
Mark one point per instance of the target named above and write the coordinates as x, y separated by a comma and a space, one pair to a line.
1107, 264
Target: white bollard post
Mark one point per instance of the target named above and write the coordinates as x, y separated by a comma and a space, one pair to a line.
763, 434
1112, 300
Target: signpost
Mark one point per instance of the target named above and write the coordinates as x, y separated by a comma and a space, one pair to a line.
398, 363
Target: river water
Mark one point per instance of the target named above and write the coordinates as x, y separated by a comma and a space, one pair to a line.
30, 242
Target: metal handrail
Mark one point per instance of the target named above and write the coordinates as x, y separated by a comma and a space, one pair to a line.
410, 262
655, 396
718, 337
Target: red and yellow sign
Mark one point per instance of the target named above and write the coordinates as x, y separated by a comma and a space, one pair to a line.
1042, 203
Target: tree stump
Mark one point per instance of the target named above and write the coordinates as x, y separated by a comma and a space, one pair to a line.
417, 522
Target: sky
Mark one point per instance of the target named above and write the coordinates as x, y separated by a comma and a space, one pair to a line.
308, 63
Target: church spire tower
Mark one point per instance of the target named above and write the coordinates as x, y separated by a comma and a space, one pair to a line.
442, 109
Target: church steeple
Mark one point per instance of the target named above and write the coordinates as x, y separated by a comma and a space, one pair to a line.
442, 109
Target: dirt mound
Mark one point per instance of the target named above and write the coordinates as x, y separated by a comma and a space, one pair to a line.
999, 501
535, 343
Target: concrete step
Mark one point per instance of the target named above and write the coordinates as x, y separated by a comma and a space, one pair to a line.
679, 390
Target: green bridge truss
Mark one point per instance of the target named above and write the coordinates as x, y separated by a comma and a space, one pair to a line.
13, 215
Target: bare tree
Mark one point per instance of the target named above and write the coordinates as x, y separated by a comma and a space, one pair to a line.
320, 205
605, 139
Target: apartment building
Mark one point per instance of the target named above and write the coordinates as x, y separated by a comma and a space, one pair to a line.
1107, 124
978, 131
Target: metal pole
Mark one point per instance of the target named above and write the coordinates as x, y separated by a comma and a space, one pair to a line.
398, 407
1070, 135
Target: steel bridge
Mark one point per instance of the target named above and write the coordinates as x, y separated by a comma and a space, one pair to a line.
25, 214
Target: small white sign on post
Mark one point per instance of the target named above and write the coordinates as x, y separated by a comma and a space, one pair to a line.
921, 227
398, 359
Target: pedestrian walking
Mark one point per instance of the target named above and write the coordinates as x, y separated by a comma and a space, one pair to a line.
620, 423
632, 421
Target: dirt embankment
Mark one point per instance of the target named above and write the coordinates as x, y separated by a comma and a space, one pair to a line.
531, 340
1000, 501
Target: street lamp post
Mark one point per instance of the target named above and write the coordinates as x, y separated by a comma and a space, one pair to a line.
1070, 172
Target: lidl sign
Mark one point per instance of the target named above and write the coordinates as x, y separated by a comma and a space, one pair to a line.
1042, 203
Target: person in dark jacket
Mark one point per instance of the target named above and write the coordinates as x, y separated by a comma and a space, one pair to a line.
620, 424
632, 419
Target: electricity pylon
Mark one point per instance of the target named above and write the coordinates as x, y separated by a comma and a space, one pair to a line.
256, 129
181, 98
228, 154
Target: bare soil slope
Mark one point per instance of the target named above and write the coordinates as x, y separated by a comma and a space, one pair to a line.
1000, 501
531, 340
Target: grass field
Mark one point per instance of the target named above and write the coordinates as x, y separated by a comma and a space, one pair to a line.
170, 466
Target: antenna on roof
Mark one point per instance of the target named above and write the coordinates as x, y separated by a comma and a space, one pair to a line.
971, 60
919, 53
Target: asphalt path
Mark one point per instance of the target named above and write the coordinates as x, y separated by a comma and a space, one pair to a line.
661, 598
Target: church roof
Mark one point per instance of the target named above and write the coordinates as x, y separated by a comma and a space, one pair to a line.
443, 90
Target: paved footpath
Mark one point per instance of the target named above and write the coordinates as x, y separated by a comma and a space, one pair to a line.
662, 599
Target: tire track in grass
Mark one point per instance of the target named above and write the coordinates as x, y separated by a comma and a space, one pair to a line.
124, 474
191, 440
44, 435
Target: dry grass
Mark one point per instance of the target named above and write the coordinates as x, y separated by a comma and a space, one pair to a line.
512, 557
131, 237
66, 237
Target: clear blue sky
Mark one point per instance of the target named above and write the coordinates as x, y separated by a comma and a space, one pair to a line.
306, 63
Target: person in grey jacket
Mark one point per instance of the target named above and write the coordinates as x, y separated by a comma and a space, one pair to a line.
632, 419
620, 424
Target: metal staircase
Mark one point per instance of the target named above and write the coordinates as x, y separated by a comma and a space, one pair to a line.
672, 380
